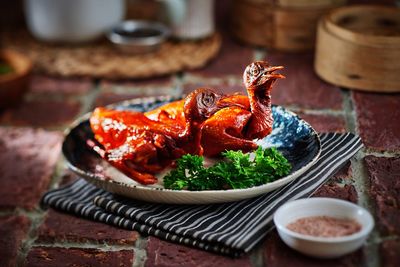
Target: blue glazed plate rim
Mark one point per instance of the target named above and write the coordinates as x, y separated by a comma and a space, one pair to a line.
94, 179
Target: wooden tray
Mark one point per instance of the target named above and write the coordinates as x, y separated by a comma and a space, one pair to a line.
287, 25
358, 47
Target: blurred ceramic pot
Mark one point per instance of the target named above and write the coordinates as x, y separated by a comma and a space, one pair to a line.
72, 20
190, 19
14, 84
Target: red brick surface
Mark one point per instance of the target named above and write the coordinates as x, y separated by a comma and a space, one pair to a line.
49, 85
63, 227
232, 60
345, 192
378, 117
112, 92
107, 98
41, 113
325, 123
384, 176
166, 254
390, 255
28, 159
68, 177
13, 230
160, 82
302, 87
60, 257
344, 173
277, 254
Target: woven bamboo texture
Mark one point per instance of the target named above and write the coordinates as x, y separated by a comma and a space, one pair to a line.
358, 47
102, 60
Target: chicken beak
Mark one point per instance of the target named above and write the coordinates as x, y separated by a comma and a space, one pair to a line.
275, 76
270, 75
274, 68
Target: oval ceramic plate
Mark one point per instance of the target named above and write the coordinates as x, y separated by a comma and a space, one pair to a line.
294, 137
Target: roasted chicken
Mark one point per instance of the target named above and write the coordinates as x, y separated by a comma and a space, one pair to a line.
204, 123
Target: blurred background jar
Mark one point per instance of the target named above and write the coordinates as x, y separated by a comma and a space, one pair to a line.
72, 20
188, 19
197, 20
285, 25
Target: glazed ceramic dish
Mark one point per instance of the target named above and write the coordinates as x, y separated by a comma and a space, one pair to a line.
323, 247
294, 137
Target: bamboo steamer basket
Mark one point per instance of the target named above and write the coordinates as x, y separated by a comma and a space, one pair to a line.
286, 25
358, 47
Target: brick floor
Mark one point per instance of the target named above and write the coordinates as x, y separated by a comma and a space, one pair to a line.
159, 82
277, 254
390, 253
345, 192
60, 257
325, 123
166, 254
385, 192
41, 113
64, 227
48, 85
68, 177
344, 173
13, 230
28, 159
113, 92
107, 98
232, 60
302, 87
378, 120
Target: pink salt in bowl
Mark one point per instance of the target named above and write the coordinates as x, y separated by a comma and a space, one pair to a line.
321, 246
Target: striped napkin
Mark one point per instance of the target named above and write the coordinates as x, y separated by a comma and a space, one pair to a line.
231, 228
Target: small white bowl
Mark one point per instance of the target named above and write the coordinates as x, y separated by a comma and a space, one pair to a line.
322, 247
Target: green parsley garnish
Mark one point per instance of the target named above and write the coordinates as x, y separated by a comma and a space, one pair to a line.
238, 170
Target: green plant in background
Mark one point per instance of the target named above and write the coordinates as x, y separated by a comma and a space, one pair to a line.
5, 68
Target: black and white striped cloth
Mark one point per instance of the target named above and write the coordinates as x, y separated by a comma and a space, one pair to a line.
230, 228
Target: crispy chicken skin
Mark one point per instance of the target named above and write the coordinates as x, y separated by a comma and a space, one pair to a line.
204, 123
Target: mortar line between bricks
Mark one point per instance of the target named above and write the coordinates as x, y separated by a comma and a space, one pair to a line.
348, 109
380, 154
361, 184
257, 255
5, 213
52, 97
310, 111
140, 256
229, 79
36, 217
99, 246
